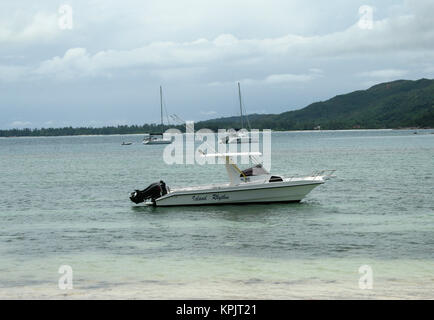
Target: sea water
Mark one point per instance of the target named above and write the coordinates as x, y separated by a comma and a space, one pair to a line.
64, 201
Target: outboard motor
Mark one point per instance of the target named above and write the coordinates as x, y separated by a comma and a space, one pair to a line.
153, 192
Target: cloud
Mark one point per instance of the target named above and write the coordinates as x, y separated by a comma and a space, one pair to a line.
41, 26
13, 73
209, 113
388, 35
75, 63
384, 74
285, 78
274, 79
49, 123
99, 123
118, 52
20, 124
430, 70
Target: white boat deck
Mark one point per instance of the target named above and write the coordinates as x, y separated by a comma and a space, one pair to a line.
264, 181
202, 187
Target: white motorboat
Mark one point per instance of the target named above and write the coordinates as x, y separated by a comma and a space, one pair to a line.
158, 138
253, 185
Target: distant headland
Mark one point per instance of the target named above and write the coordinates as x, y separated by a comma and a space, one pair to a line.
392, 105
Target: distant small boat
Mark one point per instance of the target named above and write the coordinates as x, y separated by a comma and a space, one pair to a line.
126, 143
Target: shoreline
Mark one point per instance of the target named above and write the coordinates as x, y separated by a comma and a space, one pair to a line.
277, 131
388, 289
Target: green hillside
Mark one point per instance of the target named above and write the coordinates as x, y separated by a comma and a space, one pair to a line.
396, 104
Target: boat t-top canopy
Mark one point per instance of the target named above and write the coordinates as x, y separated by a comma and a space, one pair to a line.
236, 175
230, 154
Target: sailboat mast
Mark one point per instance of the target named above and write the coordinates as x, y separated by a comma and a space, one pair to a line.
241, 105
161, 105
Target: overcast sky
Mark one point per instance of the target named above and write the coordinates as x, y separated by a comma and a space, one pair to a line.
101, 62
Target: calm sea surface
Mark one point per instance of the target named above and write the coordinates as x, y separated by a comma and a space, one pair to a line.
64, 201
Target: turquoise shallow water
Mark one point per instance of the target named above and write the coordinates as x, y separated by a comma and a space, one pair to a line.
64, 200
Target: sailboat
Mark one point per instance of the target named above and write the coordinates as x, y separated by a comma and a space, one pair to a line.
240, 136
158, 138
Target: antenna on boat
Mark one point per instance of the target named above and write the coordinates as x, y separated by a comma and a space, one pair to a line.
179, 121
241, 105
241, 110
161, 105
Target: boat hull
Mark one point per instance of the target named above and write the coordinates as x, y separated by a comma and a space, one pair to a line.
269, 193
239, 140
158, 142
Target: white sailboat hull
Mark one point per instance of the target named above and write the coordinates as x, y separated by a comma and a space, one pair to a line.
286, 191
157, 141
